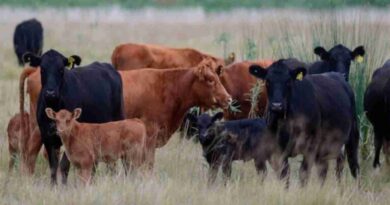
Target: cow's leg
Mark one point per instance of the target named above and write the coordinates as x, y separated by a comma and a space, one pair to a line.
261, 168
30, 152
227, 170
213, 171
340, 166
386, 151
322, 169
285, 172
378, 142
85, 174
13, 155
126, 164
53, 162
64, 167
150, 157
304, 171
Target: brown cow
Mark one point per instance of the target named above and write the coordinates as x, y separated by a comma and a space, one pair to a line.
14, 137
88, 143
16, 143
161, 98
136, 56
30, 142
238, 82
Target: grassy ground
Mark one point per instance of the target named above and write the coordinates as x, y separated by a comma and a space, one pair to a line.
180, 174
207, 4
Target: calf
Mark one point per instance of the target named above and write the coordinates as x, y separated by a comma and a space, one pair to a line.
228, 141
338, 59
313, 116
376, 105
96, 88
14, 137
18, 144
28, 38
136, 56
86, 143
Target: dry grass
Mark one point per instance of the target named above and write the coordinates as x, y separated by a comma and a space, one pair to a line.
181, 173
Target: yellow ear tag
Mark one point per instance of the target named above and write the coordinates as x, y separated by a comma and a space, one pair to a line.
71, 62
359, 59
300, 76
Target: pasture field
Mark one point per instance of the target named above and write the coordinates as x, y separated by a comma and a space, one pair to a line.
180, 174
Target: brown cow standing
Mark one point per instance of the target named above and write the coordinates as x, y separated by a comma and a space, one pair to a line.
160, 98
88, 143
136, 56
238, 83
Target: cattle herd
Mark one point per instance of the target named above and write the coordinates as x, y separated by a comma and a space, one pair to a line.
127, 109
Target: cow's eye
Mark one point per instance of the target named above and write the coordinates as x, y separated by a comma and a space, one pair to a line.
210, 81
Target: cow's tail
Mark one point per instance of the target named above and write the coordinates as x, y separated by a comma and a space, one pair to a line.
352, 146
24, 129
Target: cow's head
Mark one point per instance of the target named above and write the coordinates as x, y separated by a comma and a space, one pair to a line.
52, 65
203, 123
64, 119
339, 57
278, 81
208, 87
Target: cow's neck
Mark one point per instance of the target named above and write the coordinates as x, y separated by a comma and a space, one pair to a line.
178, 87
68, 138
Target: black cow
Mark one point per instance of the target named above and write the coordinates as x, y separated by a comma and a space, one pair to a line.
96, 88
377, 107
28, 38
225, 142
313, 116
338, 59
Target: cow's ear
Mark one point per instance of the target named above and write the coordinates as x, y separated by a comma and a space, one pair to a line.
232, 138
50, 113
358, 54
34, 60
258, 71
298, 73
230, 59
191, 117
76, 113
72, 61
321, 52
219, 70
217, 116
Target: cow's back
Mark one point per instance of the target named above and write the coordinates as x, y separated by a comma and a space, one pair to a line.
238, 82
138, 56
376, 94
97, 88
336, 100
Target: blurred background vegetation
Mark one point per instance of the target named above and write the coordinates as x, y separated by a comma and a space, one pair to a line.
206, 4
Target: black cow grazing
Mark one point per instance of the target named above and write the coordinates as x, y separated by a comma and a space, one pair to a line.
225, 142
96, 88
377, 107
313, 116
28, 38
338, 59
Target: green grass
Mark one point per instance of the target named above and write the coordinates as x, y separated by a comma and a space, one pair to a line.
180, 175
207, 4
